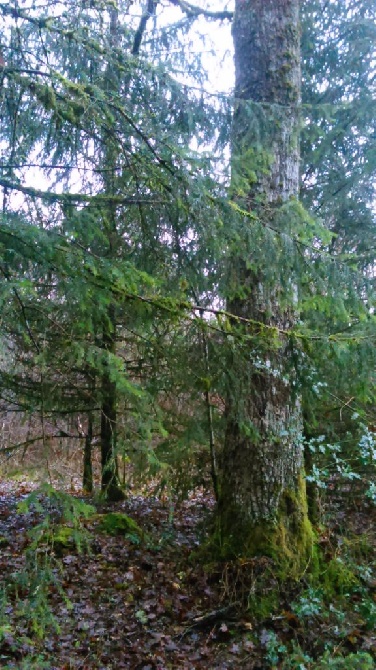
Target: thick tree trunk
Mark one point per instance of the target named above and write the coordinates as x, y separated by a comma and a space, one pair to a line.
262, 506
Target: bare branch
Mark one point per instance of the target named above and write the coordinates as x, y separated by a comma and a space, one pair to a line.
150, 11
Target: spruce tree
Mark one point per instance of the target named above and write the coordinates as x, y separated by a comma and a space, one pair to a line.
100, 250
262, 506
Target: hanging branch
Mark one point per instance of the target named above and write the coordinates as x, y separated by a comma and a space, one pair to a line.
193, 12
78, 197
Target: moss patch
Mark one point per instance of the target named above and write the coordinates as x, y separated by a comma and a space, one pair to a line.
337, 579
63, 539
116, 523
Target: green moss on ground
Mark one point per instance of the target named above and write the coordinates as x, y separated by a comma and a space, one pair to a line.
63, 538
117, 523
337, 579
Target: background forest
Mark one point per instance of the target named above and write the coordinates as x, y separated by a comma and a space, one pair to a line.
130, 225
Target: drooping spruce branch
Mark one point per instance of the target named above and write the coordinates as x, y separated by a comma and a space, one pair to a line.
192, 11
66, 198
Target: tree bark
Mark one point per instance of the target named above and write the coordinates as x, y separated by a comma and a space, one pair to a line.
87, 478
110, 481
262, 506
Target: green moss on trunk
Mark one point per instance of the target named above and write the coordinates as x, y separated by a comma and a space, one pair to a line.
288, 539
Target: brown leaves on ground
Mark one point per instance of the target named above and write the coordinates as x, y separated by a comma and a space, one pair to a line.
124, 604
149, 604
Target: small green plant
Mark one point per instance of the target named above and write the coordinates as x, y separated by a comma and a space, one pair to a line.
31, 588
360, 661
61, 525
297, 659
274, 648
277, 655
309, 605
367, 609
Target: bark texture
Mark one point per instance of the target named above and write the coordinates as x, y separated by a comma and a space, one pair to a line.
262, 507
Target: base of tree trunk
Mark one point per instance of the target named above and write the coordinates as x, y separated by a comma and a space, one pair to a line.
288, 540
113, 492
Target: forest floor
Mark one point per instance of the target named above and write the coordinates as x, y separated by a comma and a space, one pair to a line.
151, 603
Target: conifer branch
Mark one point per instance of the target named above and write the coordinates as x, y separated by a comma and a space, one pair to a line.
173, 307
78, 197
48, 23
192, 11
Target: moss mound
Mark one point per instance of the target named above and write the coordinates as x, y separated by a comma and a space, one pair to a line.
117, 523
63, 539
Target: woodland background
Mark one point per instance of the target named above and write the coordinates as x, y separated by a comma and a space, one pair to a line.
120, 221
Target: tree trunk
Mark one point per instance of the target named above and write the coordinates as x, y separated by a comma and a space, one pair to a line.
262, 507
110, 480
87, 479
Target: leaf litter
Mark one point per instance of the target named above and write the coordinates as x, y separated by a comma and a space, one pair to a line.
151, 604
123, 604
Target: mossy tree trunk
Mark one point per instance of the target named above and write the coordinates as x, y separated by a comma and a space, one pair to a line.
262, 506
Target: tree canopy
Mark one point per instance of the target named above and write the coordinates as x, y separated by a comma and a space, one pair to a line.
120, 221
187, 300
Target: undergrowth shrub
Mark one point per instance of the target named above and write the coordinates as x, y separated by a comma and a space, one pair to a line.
28, 590
339, 463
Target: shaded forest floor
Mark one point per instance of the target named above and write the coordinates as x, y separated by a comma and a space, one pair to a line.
151, 604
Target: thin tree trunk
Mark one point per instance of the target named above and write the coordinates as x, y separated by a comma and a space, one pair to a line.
87, 479
262, 506
209, 413
110, 480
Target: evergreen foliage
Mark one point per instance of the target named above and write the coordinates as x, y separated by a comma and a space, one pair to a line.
125, 239
127, 223
114, 226
338, 188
